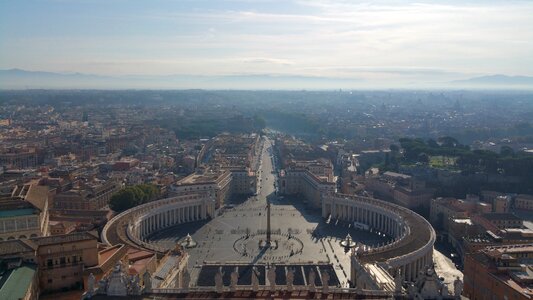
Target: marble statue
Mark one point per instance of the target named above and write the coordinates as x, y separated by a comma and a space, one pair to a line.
272, 277
325, 282
91, 289
102, 286
311, 281
430, 285
398, 280
234, 279
135, 285
255, 280
118, 282
290, 279
411, 290
90, 283
421, 278
219, 284
457, 287
147, 281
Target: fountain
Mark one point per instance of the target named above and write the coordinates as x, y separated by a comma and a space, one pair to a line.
188, 242
348, 242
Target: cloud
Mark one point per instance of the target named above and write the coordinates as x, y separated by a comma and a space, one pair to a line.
385, 40
267, 60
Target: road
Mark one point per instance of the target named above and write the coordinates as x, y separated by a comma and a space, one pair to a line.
445, 268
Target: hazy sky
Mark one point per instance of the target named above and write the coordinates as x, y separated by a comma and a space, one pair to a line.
389, 40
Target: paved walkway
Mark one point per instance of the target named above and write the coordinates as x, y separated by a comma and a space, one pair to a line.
446, 268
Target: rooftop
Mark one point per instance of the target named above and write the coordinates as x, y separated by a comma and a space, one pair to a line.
15, 283
16, 247
17, 212
198, 178
63, 238
463, 221
501, 216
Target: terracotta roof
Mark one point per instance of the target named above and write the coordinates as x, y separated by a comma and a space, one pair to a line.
64, 238
16, 247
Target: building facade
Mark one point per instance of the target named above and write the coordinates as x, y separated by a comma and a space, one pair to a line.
62, 259
87, 196
499, 272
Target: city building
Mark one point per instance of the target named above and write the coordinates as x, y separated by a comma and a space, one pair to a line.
442, 210
499, 272
18, 280
87, 196
24, 212
401, 189
501, 204
216, 184
20, 158
501, 221
309, 179
61, 259
523, 202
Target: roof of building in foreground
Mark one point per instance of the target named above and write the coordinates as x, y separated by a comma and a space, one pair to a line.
14, 283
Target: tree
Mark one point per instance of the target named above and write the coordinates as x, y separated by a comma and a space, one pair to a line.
506, 151
423, 158
123, 200
259, 122
432, 143
132, 196
448, 142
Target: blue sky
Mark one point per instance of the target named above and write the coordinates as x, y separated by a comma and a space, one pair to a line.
392, 42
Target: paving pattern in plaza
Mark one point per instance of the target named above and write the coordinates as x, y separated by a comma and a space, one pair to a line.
221, 240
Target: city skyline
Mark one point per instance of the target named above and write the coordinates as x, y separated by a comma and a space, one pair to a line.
322, 44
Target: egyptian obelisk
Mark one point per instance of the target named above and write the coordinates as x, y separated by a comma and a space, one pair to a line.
268, 223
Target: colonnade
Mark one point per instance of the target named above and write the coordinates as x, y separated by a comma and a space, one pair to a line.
169, 216
145, 219
376, 218
406, 227
410, 270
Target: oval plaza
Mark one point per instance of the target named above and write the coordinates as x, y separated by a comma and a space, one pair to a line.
348, 244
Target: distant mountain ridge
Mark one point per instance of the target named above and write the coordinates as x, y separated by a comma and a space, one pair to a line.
23, 79
498, 79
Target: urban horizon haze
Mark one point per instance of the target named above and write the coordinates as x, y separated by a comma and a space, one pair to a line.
266, 44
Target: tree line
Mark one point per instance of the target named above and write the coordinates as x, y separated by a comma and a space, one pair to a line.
132, 196
506, 162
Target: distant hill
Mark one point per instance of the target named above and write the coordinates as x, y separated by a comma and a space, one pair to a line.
497, 81
22, 79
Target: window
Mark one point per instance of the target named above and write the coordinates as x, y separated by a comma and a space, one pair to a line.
62, 261
49, 280
49, 263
